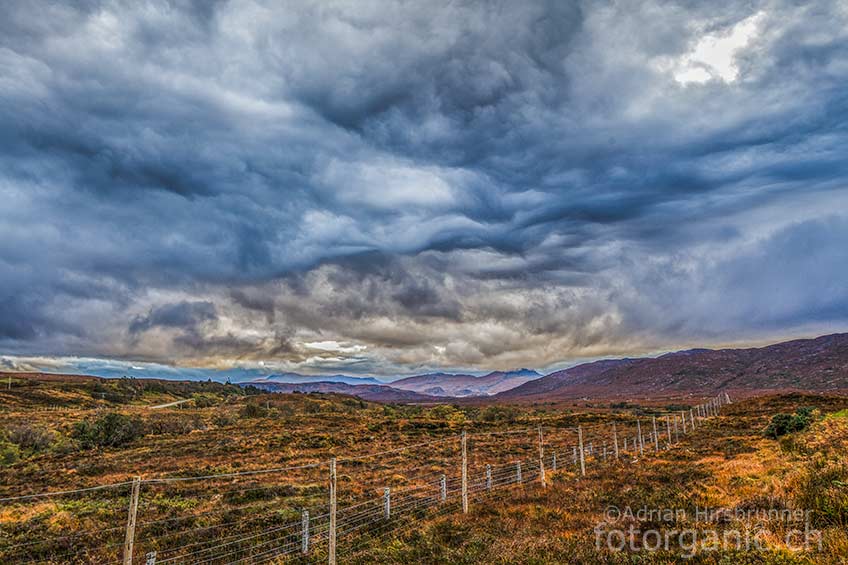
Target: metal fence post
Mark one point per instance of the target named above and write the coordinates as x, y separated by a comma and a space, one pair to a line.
387, 503
488, 477
443, 488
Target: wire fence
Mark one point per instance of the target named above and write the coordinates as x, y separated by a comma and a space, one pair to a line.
321, 511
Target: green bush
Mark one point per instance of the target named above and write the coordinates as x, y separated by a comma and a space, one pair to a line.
252, 410
499, 414
9, 452
109, 430
782, 424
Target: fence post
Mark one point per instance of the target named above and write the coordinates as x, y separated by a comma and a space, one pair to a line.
387, 503
668, 428
332, 535
615, 440
625, 445
464, 473
518, 472
443, 488
639, 435
488, 477
656, 437
129, 539
692, 419
574, 453
150, 558
304, 532
676, 431
605, 451
541, 460
683, 420
582, 458
553, 461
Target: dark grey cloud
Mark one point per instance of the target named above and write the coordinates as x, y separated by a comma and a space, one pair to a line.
395, 185
181, 315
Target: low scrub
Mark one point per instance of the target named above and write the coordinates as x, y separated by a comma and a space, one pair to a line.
782, 424
109, 430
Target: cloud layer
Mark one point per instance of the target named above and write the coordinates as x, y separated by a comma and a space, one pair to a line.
419, 185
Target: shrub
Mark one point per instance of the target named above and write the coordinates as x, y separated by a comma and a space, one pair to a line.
205, 400
109, 430
499, 413
172, 424
9, 452
251, 410
822, 488
782, 424
223, 420
30, 437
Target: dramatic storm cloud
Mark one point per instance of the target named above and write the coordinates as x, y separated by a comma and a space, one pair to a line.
386, 187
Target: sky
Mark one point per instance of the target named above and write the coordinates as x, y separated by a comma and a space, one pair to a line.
395, 187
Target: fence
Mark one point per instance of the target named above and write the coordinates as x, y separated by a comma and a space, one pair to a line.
320, 511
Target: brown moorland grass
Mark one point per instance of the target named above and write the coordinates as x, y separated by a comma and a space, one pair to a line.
727, 463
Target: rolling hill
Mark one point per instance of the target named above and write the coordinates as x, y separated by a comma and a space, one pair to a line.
814, 365
373, 393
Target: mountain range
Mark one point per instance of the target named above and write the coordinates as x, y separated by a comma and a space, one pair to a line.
816, 365
419, 388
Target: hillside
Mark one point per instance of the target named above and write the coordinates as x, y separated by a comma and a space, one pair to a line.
373, 393
815, 365
460, 385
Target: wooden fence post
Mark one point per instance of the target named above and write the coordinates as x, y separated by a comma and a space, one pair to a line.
656, 437
615, 440
683, 420
387, 503
639, 435
488, 477
331, 550
582, 458
464, 473
518, 472
692, 419
541, 460
553, 462
304, 532
668, 428
129, 539
443, 488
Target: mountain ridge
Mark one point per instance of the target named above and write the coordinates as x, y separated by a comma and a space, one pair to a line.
816, 364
